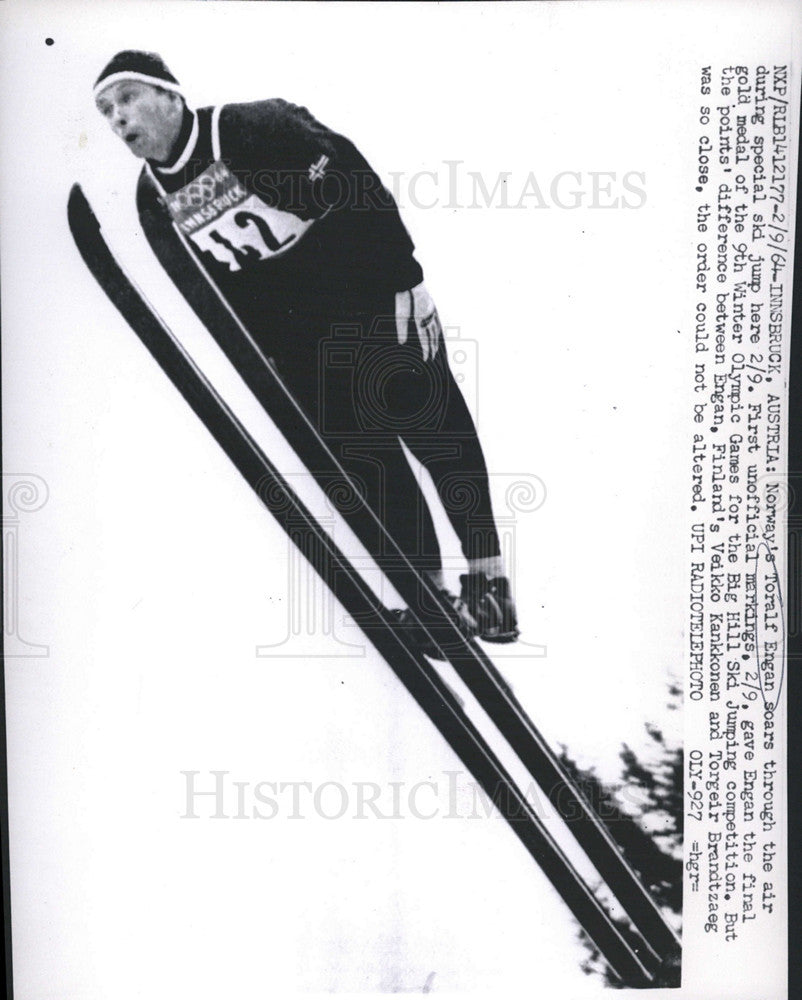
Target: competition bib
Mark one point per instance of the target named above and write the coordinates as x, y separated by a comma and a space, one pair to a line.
224, 219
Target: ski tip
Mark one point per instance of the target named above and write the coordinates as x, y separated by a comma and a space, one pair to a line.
76, 202
76, 195
79, 212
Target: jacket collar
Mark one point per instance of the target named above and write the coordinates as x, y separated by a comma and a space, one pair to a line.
187, 138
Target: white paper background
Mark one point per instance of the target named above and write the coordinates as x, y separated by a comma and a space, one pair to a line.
152, 573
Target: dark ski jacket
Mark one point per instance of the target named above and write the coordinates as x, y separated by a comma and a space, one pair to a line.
286, 215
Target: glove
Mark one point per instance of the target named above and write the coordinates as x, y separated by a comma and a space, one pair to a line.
416, 305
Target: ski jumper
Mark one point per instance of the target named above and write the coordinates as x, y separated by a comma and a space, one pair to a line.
308, 248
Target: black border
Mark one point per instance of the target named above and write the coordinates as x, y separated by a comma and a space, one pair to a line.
5, 876
794, 602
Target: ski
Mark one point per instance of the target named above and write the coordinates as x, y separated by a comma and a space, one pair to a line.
432, 612
634, 964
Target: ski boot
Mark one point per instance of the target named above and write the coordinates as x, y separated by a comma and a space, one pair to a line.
490, 603
421, 638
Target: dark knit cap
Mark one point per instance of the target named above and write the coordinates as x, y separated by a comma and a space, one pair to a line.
146, 67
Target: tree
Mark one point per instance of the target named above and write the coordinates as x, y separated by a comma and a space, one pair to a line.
643, 811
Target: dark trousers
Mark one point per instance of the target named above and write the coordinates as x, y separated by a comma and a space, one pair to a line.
365, 393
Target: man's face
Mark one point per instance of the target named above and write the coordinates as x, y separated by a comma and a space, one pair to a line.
146, 118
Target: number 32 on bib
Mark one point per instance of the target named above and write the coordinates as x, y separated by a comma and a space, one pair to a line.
224, 219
